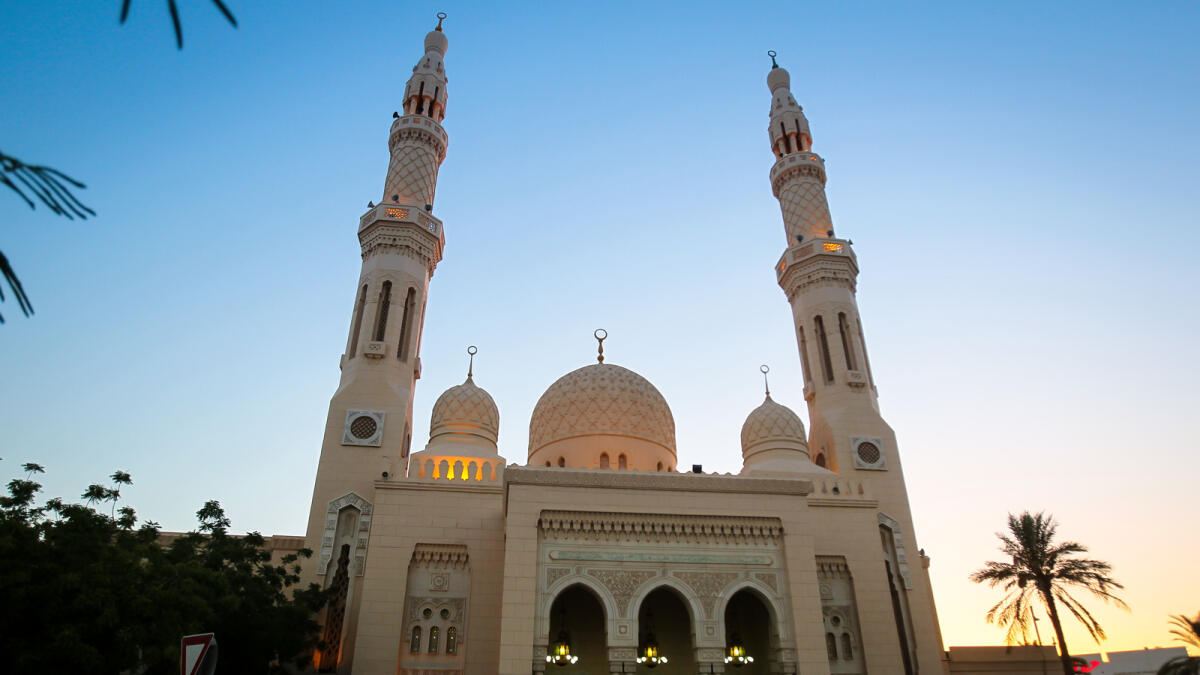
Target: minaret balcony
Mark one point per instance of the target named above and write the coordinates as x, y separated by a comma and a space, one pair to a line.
399, 226
796, 164
815, 262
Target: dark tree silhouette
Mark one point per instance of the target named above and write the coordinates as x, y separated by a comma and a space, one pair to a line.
1043, 569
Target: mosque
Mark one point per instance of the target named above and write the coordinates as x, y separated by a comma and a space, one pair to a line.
602, 553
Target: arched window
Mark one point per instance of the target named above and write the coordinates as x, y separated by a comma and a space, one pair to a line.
414, 644
821, 459
823, 344
358, 312
604, 460
847, 647
421, 99
830, 645
433, 640
847, 346
562, 461
406, 323
659, 467
452, 640
622, 463
385, 301
547, 462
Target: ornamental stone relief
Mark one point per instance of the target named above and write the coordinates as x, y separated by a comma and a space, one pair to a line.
707, 585
769, 579
414, 606
622, 584
553, 574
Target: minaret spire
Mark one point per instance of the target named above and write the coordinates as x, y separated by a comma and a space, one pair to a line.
798, 183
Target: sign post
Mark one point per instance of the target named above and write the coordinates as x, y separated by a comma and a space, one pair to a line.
198, 654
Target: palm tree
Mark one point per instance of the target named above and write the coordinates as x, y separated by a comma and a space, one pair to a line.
1042, 569
1186, 631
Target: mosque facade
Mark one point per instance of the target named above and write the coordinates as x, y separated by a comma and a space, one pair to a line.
599, 554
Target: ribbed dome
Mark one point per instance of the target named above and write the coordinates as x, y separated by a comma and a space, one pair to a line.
602, 400
771, 422
465, 409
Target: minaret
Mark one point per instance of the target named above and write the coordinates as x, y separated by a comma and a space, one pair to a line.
368, 431
819, 273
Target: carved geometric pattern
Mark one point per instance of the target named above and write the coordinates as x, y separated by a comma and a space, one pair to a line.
651, 527
360, 421
772, 421
415, 606
553, 574
769, 579
622, 584
359, 550
440, 556
602, 399
707, 585
867, 454
412, 173
805, 209
466, 404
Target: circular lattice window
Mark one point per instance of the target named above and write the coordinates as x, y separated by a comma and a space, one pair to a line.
363, 427
868, 453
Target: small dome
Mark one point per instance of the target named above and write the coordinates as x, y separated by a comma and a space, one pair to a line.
773, 424
773, 443
604, 400
779, 78
465, 409
436, 41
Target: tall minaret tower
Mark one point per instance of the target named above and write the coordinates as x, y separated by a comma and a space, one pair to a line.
368, 432
819, 273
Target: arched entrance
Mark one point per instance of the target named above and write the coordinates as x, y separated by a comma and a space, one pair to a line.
664, 618
748, 624
578, 615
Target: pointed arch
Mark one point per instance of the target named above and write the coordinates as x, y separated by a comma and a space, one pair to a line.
685, 593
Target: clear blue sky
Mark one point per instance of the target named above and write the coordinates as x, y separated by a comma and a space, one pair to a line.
1020, 181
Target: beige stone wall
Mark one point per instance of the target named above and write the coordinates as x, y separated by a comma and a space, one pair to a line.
411, 512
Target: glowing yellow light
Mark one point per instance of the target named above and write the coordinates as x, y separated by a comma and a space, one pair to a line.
396, 213
832, 247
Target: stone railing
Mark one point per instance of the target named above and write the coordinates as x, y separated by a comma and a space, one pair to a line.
458, 469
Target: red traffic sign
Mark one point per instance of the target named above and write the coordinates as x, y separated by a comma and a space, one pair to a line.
198, 654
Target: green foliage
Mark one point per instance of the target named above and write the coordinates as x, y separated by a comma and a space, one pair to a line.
85, 592
1044, 570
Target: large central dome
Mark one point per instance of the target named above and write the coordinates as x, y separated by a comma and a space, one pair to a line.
593, 416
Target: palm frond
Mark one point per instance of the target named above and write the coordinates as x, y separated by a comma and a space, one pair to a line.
1186, 630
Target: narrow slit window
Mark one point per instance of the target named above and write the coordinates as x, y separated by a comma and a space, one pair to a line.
385, 301
821, 460
434, 103
804, 356
799, 137
866, 359
406, 323
847, 341
452, 640
659, 466
787, 142
823, 345
421, 101
433, 640
847, 647
830, 646
358, 313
